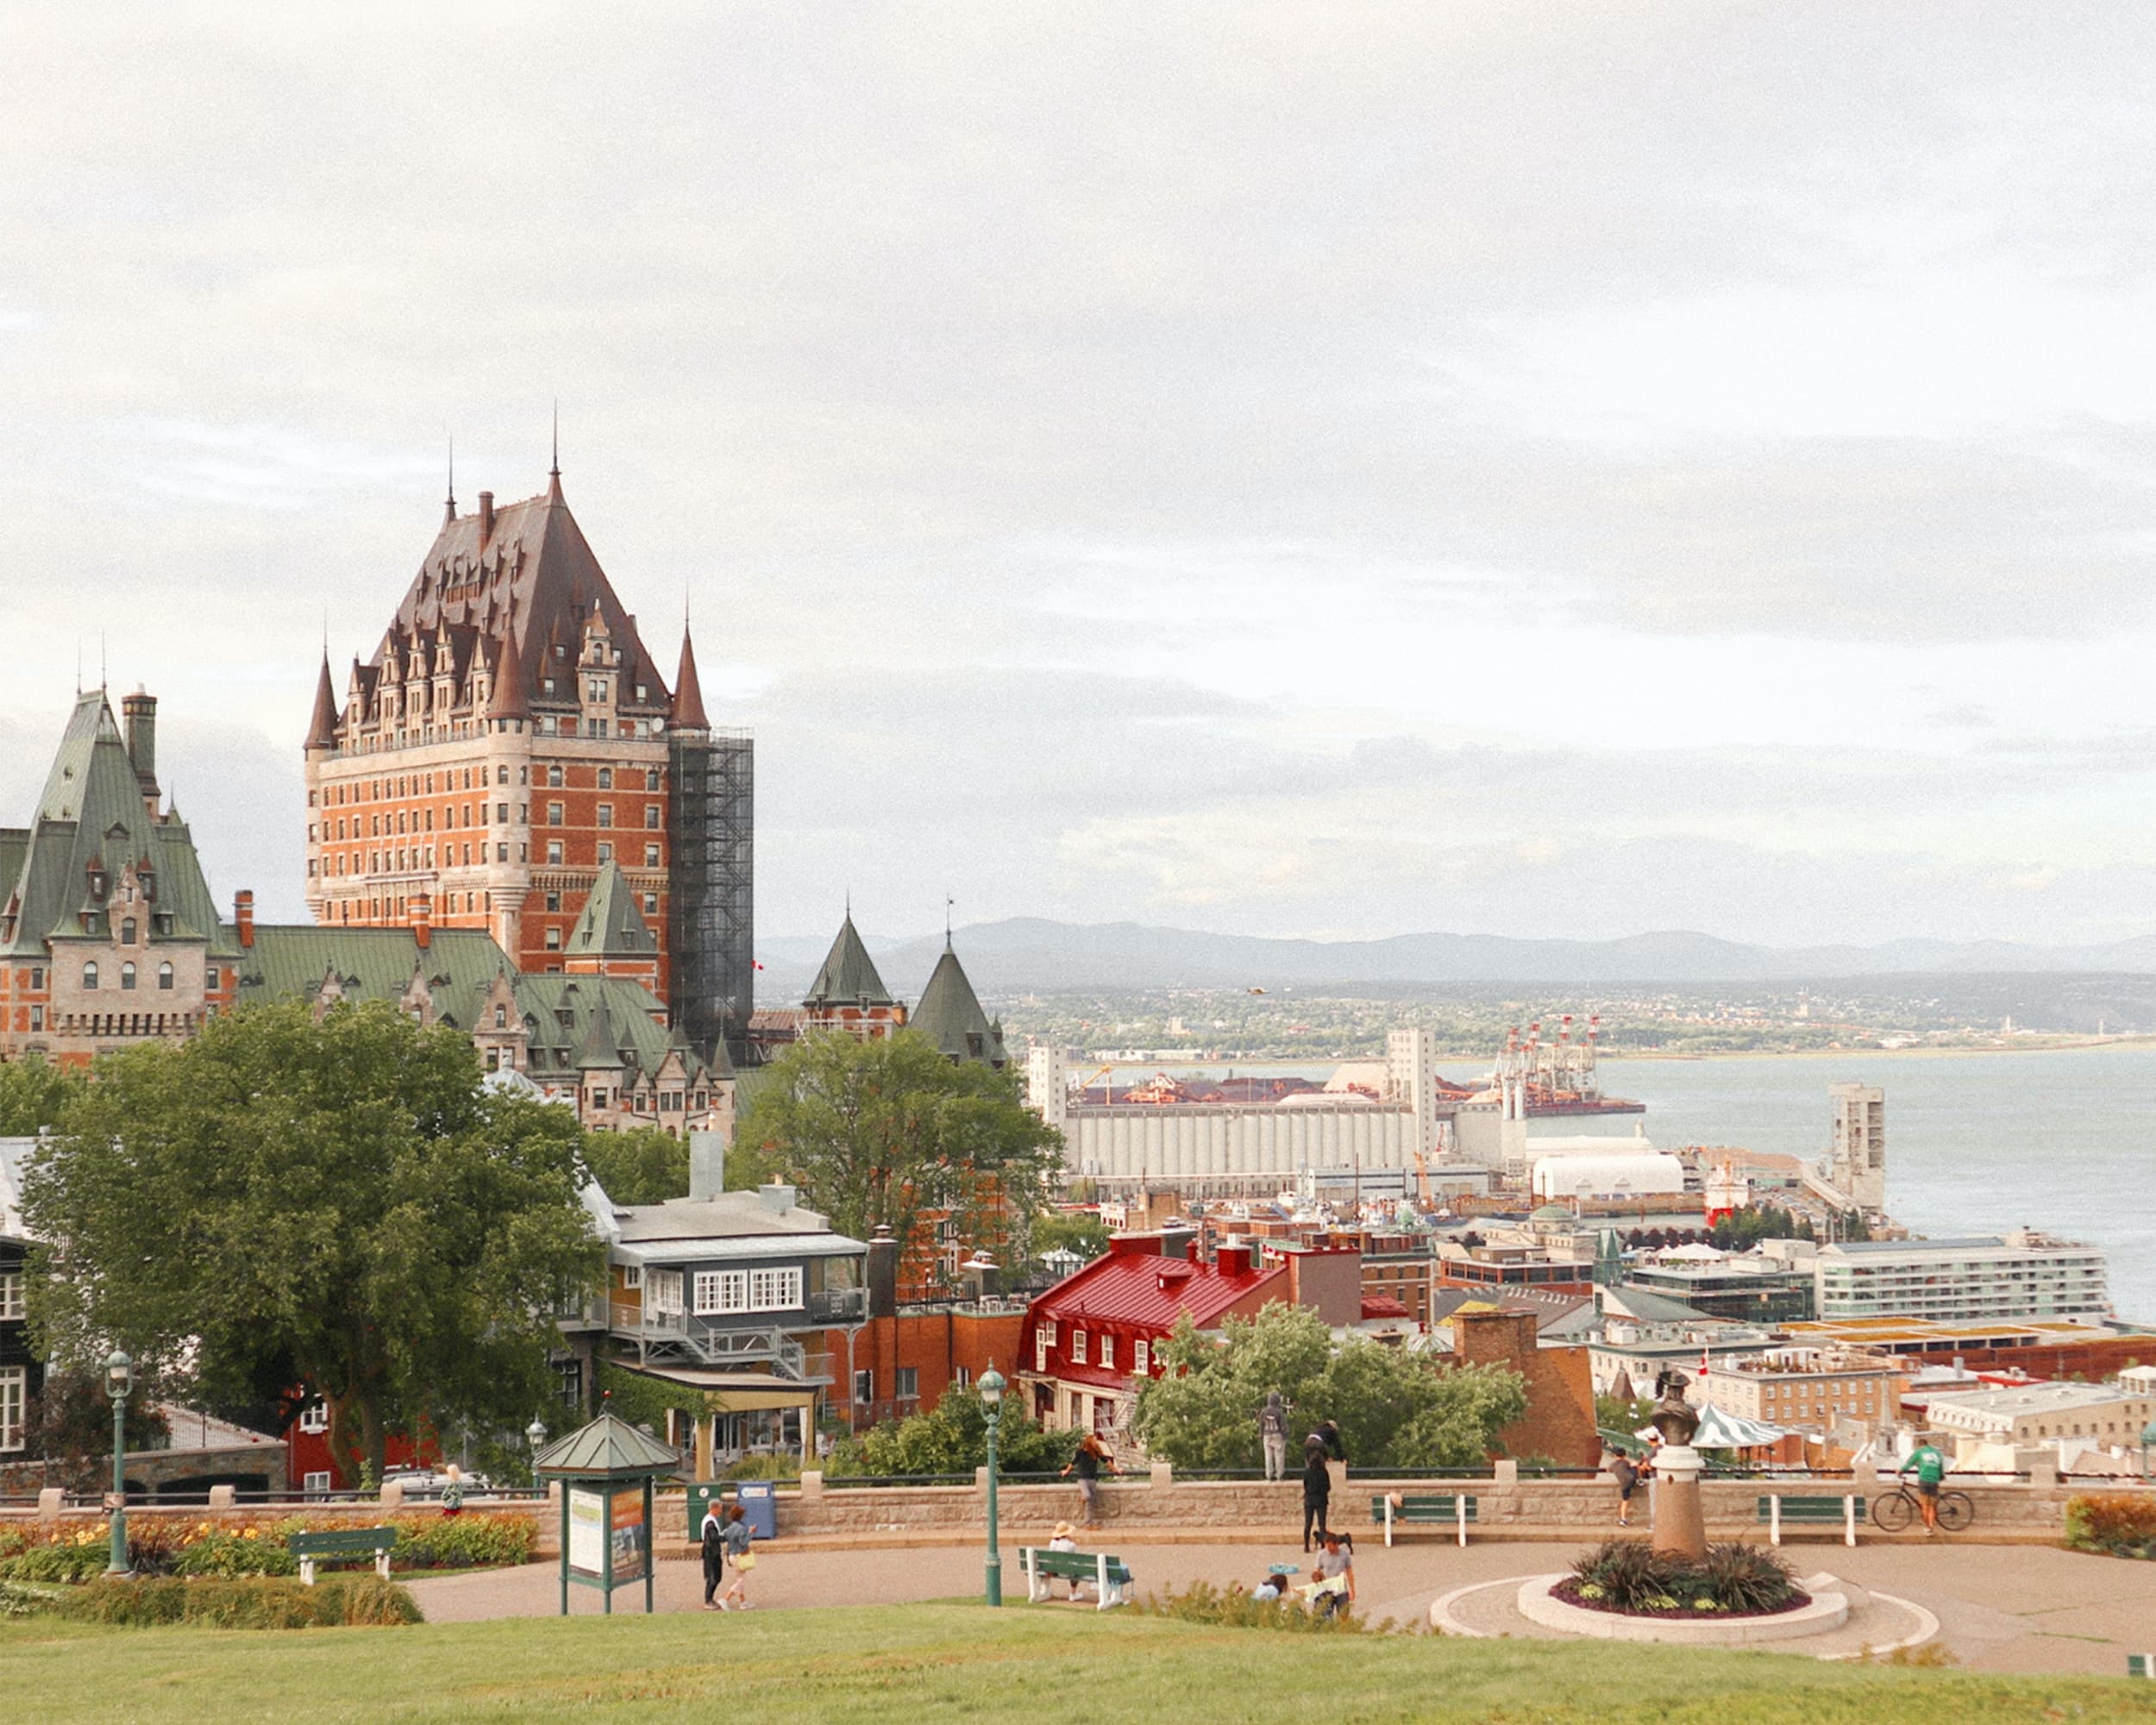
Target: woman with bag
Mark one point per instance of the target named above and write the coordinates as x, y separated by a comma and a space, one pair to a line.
737, 1539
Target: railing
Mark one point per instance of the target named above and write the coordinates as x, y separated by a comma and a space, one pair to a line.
838, 1306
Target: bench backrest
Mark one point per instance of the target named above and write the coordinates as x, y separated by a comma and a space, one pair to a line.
353, 1540
1794, 1509
1075, 1565
2140, 1665
1425, 1506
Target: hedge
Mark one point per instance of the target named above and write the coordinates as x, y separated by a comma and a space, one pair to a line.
255, 1602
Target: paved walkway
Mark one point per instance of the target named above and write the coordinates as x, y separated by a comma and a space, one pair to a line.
2020, 1609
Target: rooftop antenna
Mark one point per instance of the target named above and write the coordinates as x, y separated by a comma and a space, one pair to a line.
554, 472
102, 682
452, 502
948, 902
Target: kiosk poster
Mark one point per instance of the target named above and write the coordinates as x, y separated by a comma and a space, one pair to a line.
628, 1536
587, 1533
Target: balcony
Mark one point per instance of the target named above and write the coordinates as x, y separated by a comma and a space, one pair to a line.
839, 1306
736, 1343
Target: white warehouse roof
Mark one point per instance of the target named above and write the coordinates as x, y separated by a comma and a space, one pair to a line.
1607, 1176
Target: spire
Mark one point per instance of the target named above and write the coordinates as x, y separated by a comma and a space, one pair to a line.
949, 1015
449, 509
688, 693
849, 977
322, 729
554, 471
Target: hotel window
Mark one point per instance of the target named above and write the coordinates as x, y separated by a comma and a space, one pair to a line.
164, 975
606, 778
210, 977
606, 814
651, 857
1077, 1347
13, 1385
553, 778
554, 940
606, 853
554, 901
89, 974
126, 930
651, 904
651, 778
553, 850
554, 814
651, 816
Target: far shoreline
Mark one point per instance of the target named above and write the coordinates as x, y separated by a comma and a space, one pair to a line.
1609, 1056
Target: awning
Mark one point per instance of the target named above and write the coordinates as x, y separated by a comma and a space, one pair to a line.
732, 1392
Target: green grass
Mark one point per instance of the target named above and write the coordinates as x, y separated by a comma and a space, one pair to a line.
915, 1663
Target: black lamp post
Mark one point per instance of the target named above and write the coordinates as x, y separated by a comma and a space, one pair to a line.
992, 1400
119, 1379
535, 1435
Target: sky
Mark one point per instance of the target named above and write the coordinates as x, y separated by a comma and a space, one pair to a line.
1342, 470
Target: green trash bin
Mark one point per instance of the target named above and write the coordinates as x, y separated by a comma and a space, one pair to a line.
705, 1493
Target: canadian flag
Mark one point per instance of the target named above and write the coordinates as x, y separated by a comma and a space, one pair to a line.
756, 963
1703, 1360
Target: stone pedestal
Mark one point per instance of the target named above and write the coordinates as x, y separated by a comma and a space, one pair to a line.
1680, 1521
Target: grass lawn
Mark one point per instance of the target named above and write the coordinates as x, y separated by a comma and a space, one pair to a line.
912, 1664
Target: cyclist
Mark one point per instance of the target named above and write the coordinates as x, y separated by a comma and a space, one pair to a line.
1931, 1468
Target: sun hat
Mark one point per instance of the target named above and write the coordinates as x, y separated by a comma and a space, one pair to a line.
1063, 1530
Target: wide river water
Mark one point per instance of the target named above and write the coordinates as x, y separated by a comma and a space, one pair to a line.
1977, 1143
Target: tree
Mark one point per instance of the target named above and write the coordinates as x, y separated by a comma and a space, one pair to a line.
34, 1094
877, 1132
1077, 1231
642, 1165
1394, 1408
953, 1438
342, 1202
68, 1432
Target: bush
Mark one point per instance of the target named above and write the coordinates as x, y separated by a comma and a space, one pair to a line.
464, 1541
2118, 1524
73, 1556
1630, 1576
773, 1466
250, 1551
254, 1603
1203, 1603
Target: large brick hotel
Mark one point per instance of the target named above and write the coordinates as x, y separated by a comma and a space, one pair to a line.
509, 737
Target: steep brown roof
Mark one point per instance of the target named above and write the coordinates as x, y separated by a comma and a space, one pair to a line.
688, 693
322, 729
531, 582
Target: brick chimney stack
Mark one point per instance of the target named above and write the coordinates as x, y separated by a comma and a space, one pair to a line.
422, 910
243, 916
486, 517
139, 711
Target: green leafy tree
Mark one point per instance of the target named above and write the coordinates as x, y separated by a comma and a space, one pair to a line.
34, 1094
1075, 1231
1743, 1229
1394, 1408
67, 1434
953, 1438
878, 1132
642, 1165
340, 1201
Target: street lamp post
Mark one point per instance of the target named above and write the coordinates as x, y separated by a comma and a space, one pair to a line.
535, 1435
992, 1399
119, 1379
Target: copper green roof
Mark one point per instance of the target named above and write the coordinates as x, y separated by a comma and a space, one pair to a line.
92, 821
608, 1448
849, 977
949, 1015
562, 1014
612, 926
292, 962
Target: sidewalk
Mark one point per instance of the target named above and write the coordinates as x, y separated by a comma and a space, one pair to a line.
2032, 1611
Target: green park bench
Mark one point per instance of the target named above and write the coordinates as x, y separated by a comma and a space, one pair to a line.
1040, 1567
348, 1545
1778, 1509
1427, 1509
2140, 1665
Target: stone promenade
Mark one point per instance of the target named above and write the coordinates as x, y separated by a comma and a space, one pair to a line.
2026, 1609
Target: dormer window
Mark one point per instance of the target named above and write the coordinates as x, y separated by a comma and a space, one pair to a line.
127, 932
97, 883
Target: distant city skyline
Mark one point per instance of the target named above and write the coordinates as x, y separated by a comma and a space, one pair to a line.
1555, 474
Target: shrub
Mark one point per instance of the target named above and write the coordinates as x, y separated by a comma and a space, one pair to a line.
71, 1557
252, 1603
1203, 1603
250, 1551
1631, 1576
2122, 1525
773, 1466
464, 1541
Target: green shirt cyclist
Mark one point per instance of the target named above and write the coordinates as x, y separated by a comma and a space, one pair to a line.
1930, 1467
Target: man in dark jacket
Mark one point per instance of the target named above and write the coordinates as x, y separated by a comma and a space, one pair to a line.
1317, 1492
714, 1555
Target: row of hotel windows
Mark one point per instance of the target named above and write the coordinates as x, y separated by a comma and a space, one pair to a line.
716, 1292
422, 820
416, 785
1044, 1341
127, 975
423, 857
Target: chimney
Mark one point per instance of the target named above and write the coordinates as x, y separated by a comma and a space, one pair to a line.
1234, 1260
423, 919
486, 517
140, 710
1175, 1242
778, 1197
243, 916
707, 1163
883, 1273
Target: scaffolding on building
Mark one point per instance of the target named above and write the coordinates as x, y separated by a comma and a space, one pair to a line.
712, 913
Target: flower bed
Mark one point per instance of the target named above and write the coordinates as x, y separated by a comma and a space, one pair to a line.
169, 1546
2119, 1524
1630, 1578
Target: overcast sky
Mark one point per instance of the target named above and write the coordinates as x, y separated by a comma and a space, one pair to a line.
1313, 468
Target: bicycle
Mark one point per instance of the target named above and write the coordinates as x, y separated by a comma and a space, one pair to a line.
1900, 1507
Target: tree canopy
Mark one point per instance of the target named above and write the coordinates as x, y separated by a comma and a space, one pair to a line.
34, 1094
953, 1438
878, 1132
1394, 1408
640, 1165
342, 1202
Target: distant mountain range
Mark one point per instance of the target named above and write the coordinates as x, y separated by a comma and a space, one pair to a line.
1026, 954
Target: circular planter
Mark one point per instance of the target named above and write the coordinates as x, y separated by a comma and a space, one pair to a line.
1829, 1609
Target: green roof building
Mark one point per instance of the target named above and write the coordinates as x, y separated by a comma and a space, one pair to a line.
949, 1015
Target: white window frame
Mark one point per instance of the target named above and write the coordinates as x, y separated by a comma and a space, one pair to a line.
662, 1295
632, 1275
1141, 1359
315, 1418
15, 1394
318, 1483
10, 1294
1108, 1351
774, 1289
1041, 1337
1077, 1347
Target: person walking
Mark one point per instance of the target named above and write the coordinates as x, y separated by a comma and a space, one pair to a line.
452, 1493
1317, 1491
1621, 1468
712, 1540
1086, 1464
1272, 1431
736, 1539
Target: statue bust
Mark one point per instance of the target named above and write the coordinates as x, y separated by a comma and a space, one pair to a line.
1673, 1417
